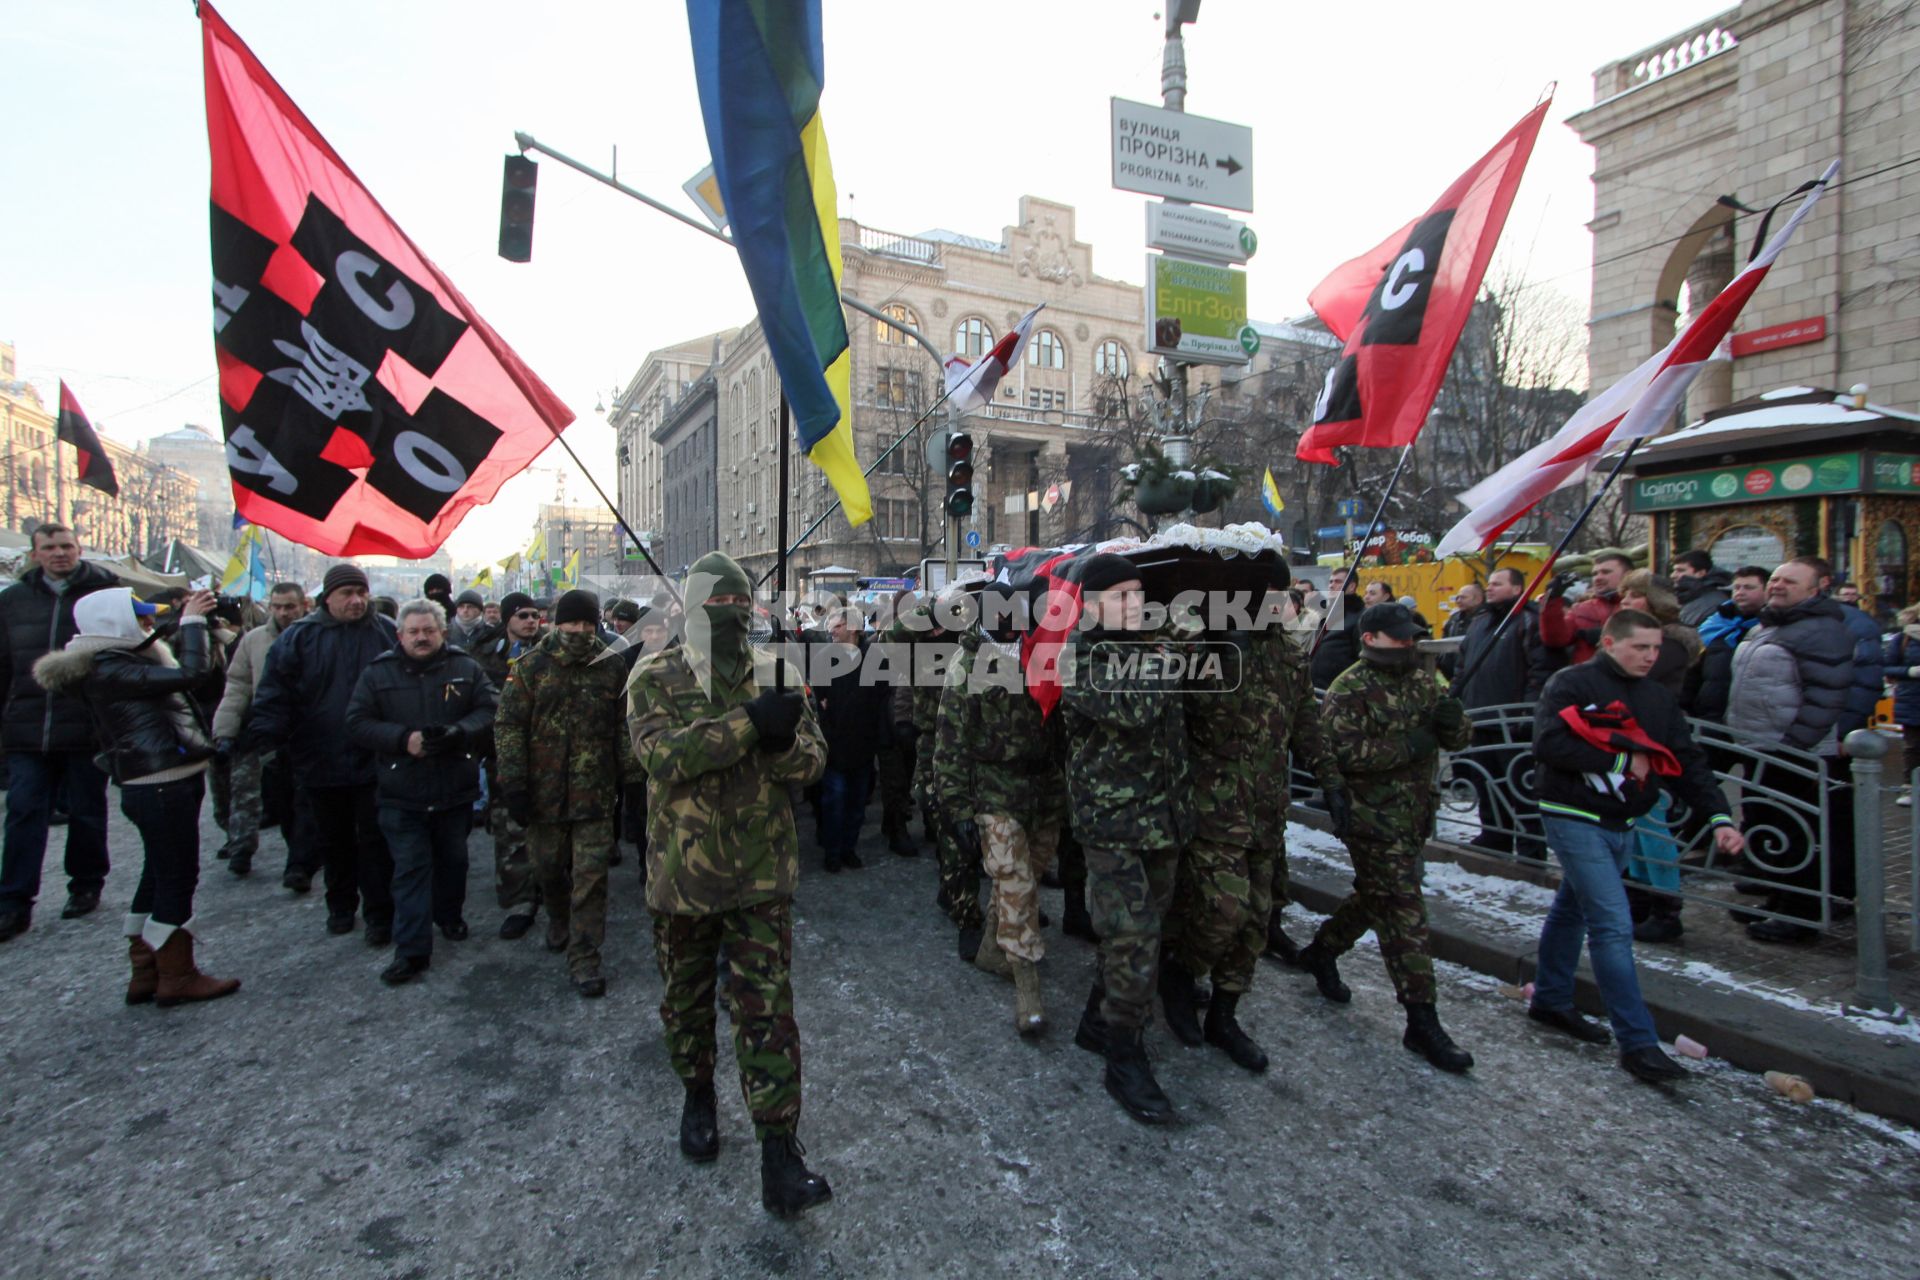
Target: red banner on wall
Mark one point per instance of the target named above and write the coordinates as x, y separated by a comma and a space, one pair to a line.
1794, 333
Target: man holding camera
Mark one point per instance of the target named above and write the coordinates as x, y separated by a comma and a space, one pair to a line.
424, 711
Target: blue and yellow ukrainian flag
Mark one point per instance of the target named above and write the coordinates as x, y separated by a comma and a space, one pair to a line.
1270, 495
760, 70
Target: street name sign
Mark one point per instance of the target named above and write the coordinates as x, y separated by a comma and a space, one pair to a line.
1199, 233
1182, 157
1197, 312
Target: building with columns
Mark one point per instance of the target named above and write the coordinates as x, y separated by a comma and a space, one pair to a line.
1748, 105
698, 424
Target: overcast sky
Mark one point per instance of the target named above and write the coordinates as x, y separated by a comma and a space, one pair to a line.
937, 116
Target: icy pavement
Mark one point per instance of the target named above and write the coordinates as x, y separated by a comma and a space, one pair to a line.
486, 1122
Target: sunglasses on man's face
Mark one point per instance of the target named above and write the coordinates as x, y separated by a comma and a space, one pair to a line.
527, 613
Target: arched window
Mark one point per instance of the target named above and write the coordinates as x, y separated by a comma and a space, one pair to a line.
1047, 351
972, 338
1110, 360
888, 334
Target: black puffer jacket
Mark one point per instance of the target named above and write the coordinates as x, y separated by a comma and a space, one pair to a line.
397, 695
1340, 642
1513, 673
137, 697
34, 621
301, 701
1702, 595
1792, 676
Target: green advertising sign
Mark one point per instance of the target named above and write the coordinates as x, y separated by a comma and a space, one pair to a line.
1748, 482
1896, 473
1197, 311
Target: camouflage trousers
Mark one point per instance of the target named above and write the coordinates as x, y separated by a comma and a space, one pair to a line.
1386, 898
514, 885
243, 807
757, 942
570, 864
220, 787
1016, 858
896, 764
1218, 924
1276, 849
1128, 894
959, 872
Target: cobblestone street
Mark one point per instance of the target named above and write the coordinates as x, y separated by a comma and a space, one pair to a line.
488, 1122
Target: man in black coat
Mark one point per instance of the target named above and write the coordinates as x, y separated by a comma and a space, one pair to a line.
1339, 643
1505, 673
301, 706
48, 737
1699, 586
853, 716
424, 710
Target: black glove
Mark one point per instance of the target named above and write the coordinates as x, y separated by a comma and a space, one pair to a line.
1422, 744
775, 717
1340, 810
966, 834
223, 748
441, 739
905, 732
1558, 587
633, 814
1449, 716
519, 807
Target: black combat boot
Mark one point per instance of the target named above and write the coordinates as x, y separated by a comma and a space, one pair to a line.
1279, 946
787, 1187
1130, 1079
1319, 962
1425, 1036
240, 862
700, 1124
1224, 1030
1176, 997
1075, 921
970, 936
1091, 1034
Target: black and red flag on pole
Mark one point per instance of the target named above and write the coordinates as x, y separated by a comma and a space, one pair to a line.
90, 461
1400, 307
367, 407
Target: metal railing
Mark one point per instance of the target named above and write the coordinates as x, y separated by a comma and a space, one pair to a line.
1778, 795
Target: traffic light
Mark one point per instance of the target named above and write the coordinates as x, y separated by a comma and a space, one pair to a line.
959, 475
516, 208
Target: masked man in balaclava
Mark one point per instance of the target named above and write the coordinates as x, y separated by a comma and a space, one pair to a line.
722, 728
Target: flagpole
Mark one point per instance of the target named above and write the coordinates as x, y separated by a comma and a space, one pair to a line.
1520, 603
780, 536
1353, 566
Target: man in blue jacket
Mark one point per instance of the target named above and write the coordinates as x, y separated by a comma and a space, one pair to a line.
301, 706
1606, 741
424, 710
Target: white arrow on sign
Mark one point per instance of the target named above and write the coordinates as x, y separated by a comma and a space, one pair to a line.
1182, 157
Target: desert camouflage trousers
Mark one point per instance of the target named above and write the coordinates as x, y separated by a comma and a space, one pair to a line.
570, 863
1016, 858
1218, 925
757, 944
1386, 898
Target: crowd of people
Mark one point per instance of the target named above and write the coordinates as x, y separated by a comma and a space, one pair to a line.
377, 734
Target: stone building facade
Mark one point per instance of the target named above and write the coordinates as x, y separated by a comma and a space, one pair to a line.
1749, 104
1042, 459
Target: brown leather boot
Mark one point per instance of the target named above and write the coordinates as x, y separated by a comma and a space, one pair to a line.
180, 981
146, 976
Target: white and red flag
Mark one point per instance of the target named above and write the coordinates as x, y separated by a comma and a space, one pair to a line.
366, 405
971, 385
1400, 307
1637, 405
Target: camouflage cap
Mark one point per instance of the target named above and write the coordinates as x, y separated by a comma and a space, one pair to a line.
728, 577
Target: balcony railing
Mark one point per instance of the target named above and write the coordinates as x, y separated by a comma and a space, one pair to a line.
1689, 49
893, 245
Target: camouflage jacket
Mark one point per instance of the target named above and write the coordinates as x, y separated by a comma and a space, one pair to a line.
558, 735
720, 833
1127, 776
1239, 740
992, 748
1369, 714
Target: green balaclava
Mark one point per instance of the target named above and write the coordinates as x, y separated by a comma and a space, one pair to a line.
727, 624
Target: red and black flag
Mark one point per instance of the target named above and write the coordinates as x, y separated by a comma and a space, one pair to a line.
90, 461
366, 405
1400, 307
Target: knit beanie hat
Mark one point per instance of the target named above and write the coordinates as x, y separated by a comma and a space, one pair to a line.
514, 602
342, 575
1106, 570
577, 606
